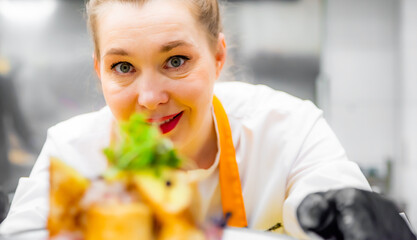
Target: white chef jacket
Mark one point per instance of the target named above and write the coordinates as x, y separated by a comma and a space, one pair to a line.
284, 150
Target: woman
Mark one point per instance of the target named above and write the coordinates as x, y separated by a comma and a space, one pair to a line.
258, 152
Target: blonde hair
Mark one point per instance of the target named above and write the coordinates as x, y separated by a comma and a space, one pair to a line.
205, 11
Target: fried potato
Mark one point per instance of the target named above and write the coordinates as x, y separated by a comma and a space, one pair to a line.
119, 221
180, 229
67, 187
169, 193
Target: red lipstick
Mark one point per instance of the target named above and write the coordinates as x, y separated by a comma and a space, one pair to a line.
170, 123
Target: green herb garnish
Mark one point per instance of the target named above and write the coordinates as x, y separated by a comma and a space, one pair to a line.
140, 146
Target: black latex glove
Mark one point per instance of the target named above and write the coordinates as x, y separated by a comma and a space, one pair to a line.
352, 214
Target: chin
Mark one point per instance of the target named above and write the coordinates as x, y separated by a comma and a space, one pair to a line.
178, 143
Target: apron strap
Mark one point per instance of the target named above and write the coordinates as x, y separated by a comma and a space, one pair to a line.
230, 187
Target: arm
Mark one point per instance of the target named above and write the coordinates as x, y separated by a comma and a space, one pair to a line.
79, 143
30, 206
321, 165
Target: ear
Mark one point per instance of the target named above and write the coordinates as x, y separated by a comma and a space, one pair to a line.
221, 54
97, 66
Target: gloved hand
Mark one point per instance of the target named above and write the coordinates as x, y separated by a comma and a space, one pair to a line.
352, 214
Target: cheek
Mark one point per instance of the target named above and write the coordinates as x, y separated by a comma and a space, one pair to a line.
198, 92
121, 100
197, 86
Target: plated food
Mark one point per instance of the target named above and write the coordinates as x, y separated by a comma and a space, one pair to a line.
143, 194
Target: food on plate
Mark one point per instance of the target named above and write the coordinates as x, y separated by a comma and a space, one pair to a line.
142, 195
67, 187
169, 194
119, 221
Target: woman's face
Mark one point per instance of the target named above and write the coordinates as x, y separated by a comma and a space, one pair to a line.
156, 59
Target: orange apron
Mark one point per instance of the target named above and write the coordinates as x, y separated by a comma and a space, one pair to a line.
230, 187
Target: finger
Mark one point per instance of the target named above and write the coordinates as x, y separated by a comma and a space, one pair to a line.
357, 225
316, 214
354, 218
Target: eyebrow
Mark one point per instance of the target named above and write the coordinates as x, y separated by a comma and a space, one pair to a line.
164, 48
116, 51
171, 45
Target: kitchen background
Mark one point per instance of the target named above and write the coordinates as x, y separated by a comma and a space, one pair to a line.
355, 59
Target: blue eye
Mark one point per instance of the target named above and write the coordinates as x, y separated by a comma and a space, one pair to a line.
176, 61
122, 67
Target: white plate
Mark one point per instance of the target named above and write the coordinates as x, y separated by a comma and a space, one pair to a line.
247, 234
228, 234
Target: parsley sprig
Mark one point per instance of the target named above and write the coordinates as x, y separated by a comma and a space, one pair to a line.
141, 146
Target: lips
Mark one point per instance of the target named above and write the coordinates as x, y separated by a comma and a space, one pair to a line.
168, 123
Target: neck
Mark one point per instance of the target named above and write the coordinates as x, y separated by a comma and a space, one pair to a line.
205, 156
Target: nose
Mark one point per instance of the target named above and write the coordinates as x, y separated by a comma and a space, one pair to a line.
152, 91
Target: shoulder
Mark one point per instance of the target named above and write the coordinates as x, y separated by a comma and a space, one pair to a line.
245, 101
83, 125
269, 124
94, 126
78, 142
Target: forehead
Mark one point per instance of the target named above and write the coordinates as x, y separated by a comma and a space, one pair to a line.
154, 23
